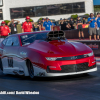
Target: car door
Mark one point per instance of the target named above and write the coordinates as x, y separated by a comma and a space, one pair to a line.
10, 55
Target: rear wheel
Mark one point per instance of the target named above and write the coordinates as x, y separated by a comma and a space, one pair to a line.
1, 66
30, 69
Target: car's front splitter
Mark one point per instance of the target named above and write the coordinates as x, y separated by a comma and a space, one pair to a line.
43, 73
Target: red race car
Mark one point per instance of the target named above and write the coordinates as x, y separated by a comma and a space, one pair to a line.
45, 54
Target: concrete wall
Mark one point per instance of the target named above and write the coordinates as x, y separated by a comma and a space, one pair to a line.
7, 4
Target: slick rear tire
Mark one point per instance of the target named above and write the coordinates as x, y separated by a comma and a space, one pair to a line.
1, 66
30, 69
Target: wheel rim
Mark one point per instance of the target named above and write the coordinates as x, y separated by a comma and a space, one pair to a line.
31, 70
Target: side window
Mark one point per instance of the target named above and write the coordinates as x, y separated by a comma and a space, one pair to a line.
9, 41
15, 41
4, 41
12, 41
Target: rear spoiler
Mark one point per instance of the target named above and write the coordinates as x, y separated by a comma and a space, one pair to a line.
55, 35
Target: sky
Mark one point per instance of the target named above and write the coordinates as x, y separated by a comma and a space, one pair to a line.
96, 2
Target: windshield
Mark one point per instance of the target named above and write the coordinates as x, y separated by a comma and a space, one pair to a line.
30, 38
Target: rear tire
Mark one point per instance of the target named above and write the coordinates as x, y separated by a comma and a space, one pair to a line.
1, 66
30, 69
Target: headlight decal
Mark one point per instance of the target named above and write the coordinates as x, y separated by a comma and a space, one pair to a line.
52, 58
89, 54
69, 58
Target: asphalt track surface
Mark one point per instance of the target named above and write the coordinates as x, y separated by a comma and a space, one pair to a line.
76, 87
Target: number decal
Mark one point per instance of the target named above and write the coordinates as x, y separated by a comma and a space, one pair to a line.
10, 62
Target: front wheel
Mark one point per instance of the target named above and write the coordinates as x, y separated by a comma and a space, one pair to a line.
30, 69
1, 66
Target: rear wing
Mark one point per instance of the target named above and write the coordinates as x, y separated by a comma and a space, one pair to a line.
55, 35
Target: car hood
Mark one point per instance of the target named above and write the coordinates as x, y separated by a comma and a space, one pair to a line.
60, 48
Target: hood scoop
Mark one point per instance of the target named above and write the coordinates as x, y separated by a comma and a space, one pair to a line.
55, 35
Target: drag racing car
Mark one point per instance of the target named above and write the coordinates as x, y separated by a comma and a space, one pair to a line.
45, 54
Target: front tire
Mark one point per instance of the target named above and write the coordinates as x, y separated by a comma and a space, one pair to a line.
1, 66
30, 69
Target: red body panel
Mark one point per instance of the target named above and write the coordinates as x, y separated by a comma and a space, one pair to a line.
39, 50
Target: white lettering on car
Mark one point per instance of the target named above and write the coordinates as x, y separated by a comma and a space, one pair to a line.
23, 53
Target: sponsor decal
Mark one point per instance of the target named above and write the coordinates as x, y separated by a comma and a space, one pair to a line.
10, 62
74, 57
23, 53
25, 36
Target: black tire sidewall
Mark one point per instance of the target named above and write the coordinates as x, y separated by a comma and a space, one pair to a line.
1, 66
30, 67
